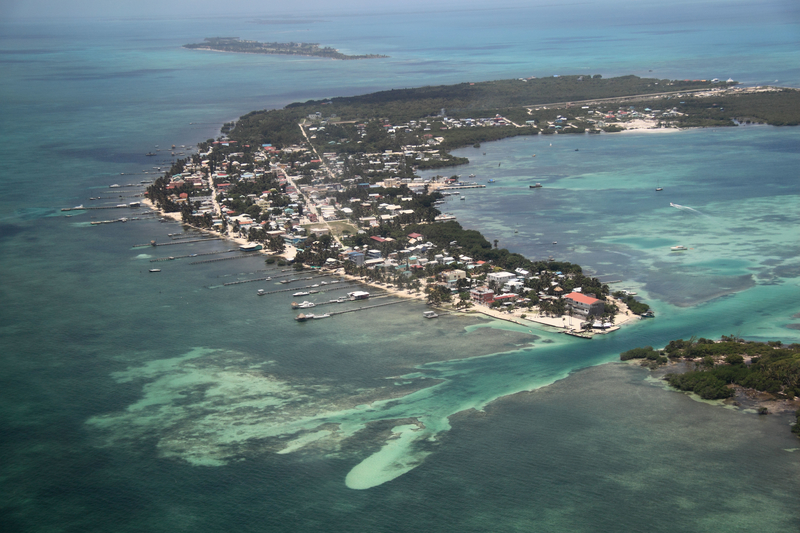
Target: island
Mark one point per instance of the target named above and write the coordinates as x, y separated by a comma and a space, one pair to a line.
234, 44
764, 376
334, 185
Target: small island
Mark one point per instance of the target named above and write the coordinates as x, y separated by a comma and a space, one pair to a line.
234, 44
764, 376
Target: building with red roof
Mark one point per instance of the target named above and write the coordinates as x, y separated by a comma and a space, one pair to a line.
584, 305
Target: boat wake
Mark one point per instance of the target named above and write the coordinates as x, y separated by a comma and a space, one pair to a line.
685, 208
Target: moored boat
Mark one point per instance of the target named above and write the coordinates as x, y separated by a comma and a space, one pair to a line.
430, 314
301, 293
358, 295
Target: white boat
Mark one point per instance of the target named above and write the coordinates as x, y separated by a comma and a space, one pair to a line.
301, 293
678, 248
429, 314
303, 305
261, 292
326, 315
302, 318
155, 270
358, 295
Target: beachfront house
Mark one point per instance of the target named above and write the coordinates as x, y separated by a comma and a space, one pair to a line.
482, 295
583, 305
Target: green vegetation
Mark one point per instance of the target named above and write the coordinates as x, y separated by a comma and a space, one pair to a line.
485, 98
633, 304
705, 384
768, 367
642, 353
233, 44
779, 108
531, 104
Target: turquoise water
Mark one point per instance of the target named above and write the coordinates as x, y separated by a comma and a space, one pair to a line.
134, 401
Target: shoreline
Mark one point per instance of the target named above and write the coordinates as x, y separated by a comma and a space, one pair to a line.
744, 399
563, 324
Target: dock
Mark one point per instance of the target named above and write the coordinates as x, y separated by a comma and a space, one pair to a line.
171, 258
337, 301
362, 308
176, 242
465, 186
218, 259
95, 208
577, 334
276, 291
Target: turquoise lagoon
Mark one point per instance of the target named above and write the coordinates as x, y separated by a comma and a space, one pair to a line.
136, 401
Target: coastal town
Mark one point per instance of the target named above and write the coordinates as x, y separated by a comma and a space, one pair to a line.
312, 187
382, 227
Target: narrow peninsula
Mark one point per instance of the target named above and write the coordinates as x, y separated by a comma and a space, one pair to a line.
236, 45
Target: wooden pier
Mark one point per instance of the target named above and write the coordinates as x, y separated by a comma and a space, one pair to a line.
216, 260
176, 242
465, 186
171, 258
337, 301
362, 308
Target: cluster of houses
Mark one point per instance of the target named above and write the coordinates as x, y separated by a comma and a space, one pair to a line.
305, 207
507, 289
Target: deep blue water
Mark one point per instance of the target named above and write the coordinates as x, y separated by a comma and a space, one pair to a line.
139, 402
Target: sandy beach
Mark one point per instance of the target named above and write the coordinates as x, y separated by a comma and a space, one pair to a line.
532, 318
